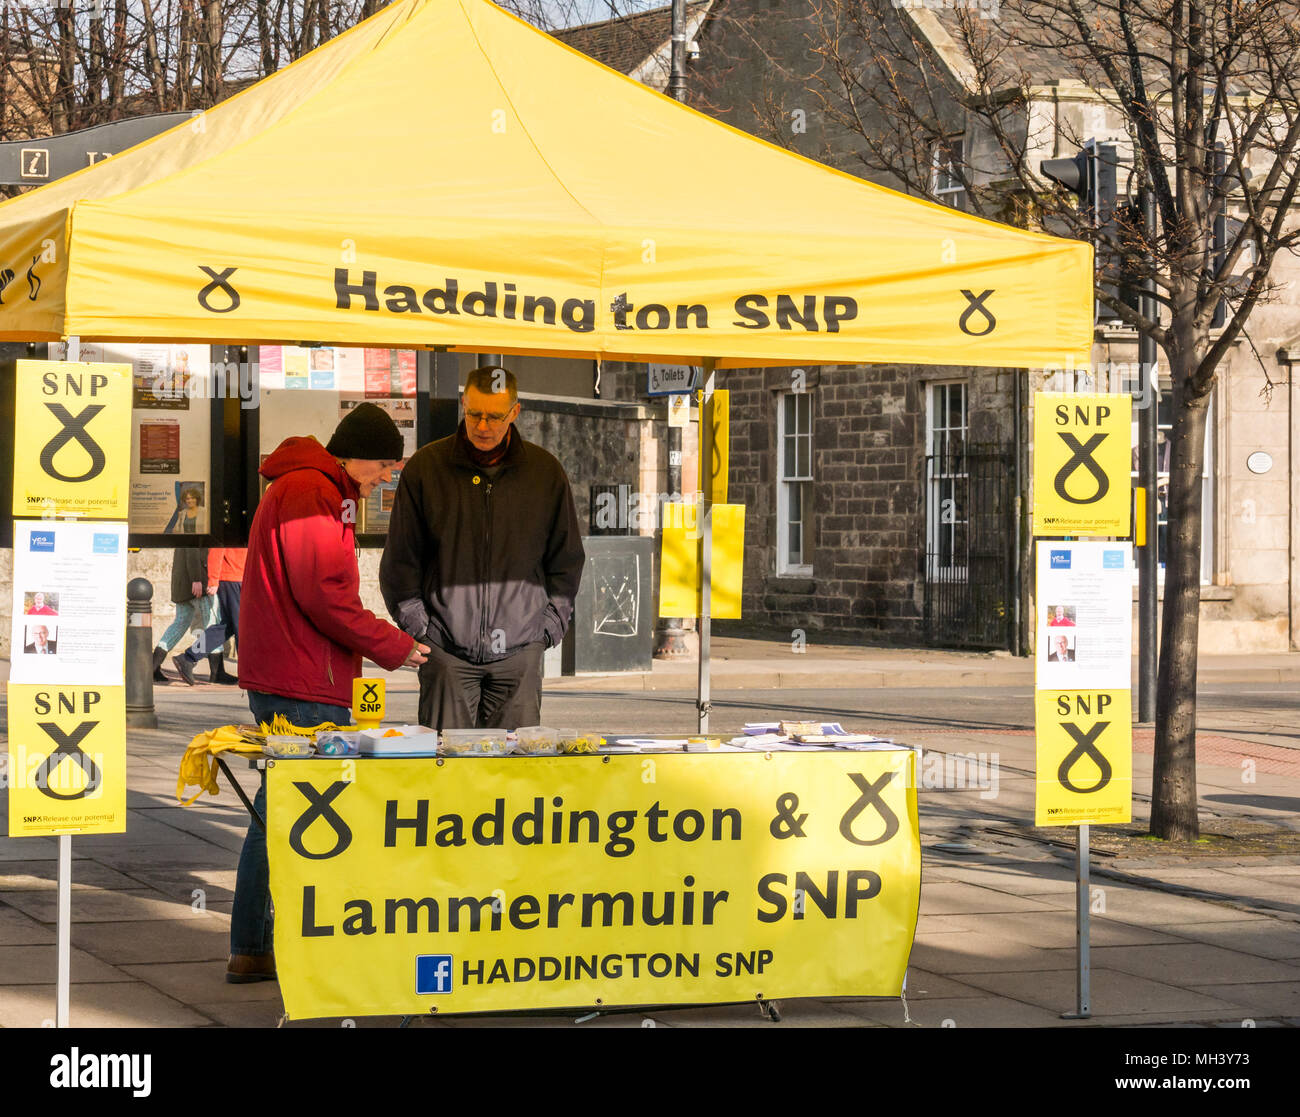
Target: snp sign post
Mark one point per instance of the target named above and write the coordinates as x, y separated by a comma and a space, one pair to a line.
72, 440
1082, 460
67, 760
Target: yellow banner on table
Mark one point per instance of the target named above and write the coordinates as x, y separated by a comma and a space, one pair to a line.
72, 440
1082, 463
679, 579
407, 886
1085, 757
67, 759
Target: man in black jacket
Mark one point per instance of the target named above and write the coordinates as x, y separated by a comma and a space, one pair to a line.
482, 563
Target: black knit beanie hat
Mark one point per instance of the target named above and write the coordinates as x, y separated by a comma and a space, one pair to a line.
367, 432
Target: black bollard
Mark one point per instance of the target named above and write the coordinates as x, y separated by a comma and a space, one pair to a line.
139, 655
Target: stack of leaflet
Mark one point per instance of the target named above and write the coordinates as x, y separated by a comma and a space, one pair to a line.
789, 736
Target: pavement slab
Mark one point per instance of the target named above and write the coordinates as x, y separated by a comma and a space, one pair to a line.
201, 981
37, 875
964, 899
34, 965
118, 1004
1113, 992
1210, 965
981, 1011
96, 907
1272, 998
201, 938
16, 928
1263, 937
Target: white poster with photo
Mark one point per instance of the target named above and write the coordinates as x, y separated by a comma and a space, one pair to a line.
171, 433
1084, 616
69, 603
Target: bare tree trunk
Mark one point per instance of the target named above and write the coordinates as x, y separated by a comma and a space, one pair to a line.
153, 58
266, 38
117, 61
63, 116
1173, 801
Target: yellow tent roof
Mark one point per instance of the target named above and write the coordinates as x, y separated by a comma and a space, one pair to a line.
445, 174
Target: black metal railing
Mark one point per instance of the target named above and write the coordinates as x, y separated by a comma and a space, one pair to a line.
969, 541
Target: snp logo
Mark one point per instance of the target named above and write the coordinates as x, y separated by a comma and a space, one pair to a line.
433, 973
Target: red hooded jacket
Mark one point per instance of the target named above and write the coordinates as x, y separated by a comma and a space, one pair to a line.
304, 629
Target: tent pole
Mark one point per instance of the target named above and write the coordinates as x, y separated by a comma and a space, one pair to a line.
704, 522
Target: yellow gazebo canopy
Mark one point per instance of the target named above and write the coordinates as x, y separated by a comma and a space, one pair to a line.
445, 174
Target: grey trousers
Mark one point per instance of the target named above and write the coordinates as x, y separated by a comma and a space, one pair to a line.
501, 695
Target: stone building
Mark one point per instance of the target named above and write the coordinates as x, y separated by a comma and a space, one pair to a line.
891, 503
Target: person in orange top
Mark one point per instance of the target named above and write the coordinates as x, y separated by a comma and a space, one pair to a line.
225, 581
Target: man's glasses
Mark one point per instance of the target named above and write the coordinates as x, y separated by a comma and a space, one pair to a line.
488, 417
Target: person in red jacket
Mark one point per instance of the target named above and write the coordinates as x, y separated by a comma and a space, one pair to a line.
300, 654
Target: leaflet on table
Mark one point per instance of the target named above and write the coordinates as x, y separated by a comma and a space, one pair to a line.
69, 603
1085, 615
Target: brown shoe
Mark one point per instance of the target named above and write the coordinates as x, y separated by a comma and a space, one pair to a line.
245, 968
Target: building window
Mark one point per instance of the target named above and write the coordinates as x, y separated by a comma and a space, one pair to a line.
946, 185
794, 484
946, 481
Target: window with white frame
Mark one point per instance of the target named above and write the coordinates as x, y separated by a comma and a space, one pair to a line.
946, 480
1164, 430
794, 483
946, 185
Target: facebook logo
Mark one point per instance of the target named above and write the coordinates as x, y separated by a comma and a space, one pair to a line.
1060, 560
433, 973
104, 544
1112, 560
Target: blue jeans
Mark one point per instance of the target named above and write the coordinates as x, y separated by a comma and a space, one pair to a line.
251, 920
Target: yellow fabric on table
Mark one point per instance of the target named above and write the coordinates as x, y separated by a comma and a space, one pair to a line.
199, 765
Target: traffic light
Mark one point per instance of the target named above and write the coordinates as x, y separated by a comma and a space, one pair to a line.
1092, 175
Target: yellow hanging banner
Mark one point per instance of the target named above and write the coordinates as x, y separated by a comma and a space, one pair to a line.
1085, 757
1082, 463
469, 885
72, 440
67, 759
715, 483
679, 582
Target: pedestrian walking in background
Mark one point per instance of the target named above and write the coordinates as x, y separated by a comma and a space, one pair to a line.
225, 577
195, 608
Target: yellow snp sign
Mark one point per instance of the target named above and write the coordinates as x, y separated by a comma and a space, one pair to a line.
67, 760
1085, 757
72, 440
1082, 463
680, 581
368, 702
409, 886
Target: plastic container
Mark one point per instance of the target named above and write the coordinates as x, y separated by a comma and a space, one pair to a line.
337, 742
398, 740
536, 740
474, 742
288, 747
571, 741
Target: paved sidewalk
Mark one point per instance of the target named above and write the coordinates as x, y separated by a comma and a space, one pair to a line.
743, 664
1205, 936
